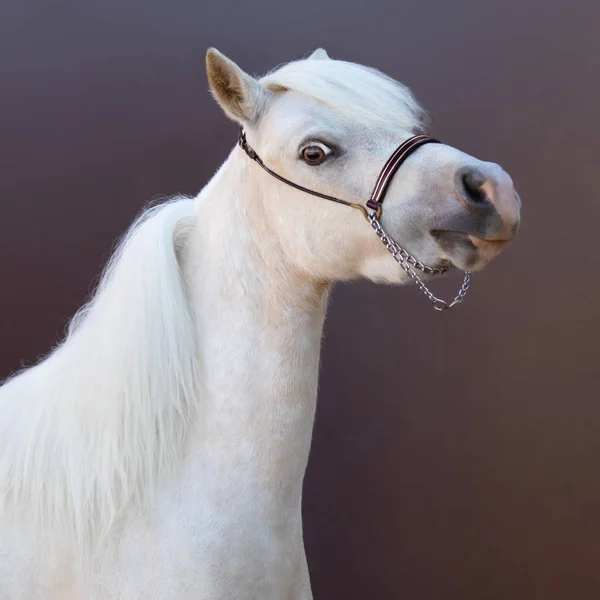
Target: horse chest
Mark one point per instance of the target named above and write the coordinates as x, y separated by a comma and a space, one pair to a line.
209, 545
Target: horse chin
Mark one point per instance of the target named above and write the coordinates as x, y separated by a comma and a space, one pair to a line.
466, 251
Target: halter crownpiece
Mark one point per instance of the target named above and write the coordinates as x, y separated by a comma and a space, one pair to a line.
408, 262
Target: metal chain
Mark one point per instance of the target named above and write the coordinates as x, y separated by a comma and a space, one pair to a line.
407, 262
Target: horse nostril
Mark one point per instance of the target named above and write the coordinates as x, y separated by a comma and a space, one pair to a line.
473, 182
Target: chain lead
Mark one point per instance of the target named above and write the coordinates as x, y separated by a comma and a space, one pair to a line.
407, 262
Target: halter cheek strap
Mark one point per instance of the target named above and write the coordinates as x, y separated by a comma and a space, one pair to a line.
408, 262
383, 181
252, 154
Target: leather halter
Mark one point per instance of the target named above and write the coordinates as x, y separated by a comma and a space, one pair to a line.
375, 201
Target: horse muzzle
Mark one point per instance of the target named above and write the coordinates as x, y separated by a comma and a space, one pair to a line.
486, 219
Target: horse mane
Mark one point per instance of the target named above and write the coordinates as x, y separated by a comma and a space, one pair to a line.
91, 428
364, 93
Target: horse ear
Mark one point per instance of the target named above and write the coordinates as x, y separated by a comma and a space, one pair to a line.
319, 54
241, 97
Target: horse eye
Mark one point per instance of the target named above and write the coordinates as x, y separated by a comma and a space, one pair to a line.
315, 153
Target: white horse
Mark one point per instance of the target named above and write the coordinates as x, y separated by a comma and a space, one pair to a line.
159, 451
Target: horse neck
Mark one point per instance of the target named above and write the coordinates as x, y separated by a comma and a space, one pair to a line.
259, 322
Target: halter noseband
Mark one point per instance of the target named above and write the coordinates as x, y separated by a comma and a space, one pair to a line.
375, 202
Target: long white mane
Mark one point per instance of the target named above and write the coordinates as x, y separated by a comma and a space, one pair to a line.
89, 430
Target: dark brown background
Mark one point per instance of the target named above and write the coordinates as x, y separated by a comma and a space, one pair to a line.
464, 464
